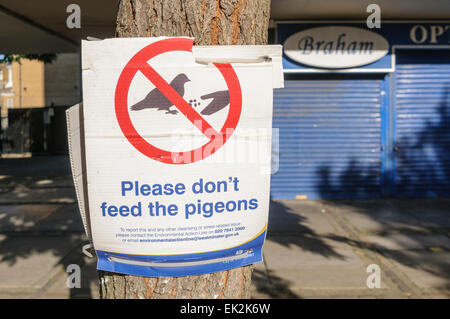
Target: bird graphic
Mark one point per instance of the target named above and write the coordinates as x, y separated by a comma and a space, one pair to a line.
220, 99
156, 100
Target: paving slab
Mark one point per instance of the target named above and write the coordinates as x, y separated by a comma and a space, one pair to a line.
31, 262
89, 286
266, 284
434, 212
336, 267
378, 215
409, 242
299, 217
41, 218
429, 270
25, 195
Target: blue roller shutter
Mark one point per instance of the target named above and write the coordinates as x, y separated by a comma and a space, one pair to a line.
422, 101
329, 137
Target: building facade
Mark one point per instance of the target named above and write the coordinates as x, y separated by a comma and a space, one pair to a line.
364, 112
31, 83
33, 100
6, 92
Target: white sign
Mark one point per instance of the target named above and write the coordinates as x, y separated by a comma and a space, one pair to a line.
177, 153
335, 47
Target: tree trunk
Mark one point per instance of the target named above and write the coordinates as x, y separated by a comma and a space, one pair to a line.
210, 22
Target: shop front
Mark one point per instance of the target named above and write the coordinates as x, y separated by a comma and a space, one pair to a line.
365, 113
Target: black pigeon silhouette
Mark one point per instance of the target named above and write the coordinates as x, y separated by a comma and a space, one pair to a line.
220, 100
156, 100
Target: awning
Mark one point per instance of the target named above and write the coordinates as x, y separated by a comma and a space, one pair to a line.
40, 26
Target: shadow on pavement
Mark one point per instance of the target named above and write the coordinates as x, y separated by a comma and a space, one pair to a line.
412, 232
41, 232
269, 284
287, 228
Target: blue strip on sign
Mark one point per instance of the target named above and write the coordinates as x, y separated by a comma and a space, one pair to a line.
186, 264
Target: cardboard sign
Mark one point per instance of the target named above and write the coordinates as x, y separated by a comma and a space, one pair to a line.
75, 137
178, 153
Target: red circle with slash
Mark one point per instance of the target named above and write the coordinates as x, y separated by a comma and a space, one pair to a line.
139, 63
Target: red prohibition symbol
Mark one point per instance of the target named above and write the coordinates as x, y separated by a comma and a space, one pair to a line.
139, 63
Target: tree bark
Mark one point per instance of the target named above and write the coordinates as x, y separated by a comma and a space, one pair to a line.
234, 283
209, 22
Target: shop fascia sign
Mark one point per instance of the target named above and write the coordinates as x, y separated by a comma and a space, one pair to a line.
335, 47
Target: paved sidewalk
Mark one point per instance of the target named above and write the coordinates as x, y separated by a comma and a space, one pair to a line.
314, 249
41, 232
321, 249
